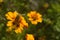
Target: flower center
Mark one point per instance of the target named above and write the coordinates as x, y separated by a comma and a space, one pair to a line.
34, 17
16, 22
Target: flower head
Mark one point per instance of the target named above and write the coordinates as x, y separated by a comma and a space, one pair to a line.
34, 17
11, 15
29, 37
16, 22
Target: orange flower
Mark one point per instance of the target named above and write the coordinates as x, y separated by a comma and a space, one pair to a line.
23, 22
16, 22
34, 17
29, 37
11, 15
22, 25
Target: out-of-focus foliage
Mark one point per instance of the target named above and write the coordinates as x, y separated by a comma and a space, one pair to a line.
49, 29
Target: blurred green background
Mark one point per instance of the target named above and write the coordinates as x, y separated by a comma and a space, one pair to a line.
50, 10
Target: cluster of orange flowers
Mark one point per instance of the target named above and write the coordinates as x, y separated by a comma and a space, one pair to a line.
17, 22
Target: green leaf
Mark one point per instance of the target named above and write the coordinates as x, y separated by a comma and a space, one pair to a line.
57, 26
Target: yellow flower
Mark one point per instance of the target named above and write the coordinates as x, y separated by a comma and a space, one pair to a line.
22, 25
34, 17
19, 29
16, 22
29, 37
23, 22
11, 15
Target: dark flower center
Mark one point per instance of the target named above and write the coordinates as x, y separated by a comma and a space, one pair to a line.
16, 22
